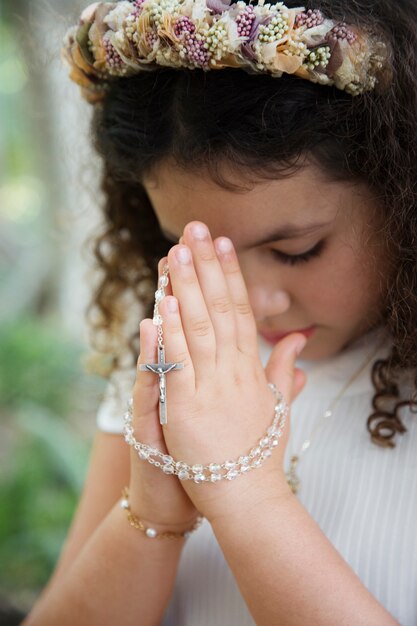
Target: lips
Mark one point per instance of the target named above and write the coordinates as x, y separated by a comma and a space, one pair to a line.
275, 337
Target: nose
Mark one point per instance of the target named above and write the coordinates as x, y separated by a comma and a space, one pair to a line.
268, 303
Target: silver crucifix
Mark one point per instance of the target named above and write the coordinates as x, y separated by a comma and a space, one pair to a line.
161, 368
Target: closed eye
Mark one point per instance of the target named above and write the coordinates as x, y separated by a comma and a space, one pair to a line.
294, 259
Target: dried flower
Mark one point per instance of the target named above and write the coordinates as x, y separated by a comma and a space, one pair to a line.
123, 38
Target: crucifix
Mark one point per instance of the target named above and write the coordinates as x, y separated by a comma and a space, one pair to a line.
161, 368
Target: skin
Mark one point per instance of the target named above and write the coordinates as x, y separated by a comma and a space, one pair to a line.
340, 291
221, 403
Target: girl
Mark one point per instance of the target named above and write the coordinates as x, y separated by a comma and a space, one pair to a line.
277, 196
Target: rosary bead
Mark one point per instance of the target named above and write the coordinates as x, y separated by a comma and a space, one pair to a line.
159, 294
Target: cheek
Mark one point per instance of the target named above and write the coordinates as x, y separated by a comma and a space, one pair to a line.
343, 285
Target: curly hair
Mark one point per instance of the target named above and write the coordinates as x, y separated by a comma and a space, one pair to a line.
191, 115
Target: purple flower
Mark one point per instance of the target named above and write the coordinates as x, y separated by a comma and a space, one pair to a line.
218, 6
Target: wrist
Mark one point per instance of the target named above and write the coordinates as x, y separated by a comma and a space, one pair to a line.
153, 528
260, 491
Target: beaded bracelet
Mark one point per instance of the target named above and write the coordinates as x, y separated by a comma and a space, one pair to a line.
212, 473
148, 530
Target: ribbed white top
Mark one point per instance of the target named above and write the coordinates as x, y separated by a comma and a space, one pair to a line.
363, 496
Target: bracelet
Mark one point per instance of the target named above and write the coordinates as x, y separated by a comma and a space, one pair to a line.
184, 471
148, 530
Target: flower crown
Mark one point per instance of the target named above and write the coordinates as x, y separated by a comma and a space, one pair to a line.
115, 39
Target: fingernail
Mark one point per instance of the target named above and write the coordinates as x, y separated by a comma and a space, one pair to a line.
172, 304
199, 231
183, 255
224, 245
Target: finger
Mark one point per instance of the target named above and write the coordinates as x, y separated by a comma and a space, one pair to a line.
176, 348
145, 391
246, 331
196, 322
214, 288
281, 365
162, 263
299, 382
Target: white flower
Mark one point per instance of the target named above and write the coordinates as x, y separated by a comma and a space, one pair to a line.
314, 36
116, 17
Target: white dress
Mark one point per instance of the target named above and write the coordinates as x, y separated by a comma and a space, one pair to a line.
363, 496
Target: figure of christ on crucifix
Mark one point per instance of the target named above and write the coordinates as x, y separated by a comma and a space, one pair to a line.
161, 368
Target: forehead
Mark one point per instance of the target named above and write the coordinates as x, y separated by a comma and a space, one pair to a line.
306, 197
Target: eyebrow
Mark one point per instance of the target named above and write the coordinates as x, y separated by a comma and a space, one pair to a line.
287, 231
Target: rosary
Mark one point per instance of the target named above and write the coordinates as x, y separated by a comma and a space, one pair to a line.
198, 472
161, 368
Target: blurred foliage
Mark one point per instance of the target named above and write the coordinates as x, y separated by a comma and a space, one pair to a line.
47, 401
43, 451
36, 360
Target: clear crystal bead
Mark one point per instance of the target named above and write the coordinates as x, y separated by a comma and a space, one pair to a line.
232, 475
215, 477
199, 478
182, 465
274, 443
229, 464
183, 475
143, 454
168, 469
257, 463
130, 403
244, 469
157, 320
264, 442
266, 453
163, 281
256, 451
214, 467
197, 469
159, 294
167, 459
126, 417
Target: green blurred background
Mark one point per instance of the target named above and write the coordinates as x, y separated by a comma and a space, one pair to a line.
48, 207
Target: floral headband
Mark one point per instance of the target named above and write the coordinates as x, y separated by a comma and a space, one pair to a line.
115, 39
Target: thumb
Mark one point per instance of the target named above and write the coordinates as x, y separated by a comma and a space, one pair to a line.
281, 369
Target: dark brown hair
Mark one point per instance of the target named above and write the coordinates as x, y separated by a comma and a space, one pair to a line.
264, 126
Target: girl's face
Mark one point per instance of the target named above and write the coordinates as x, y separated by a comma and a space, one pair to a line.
308, 248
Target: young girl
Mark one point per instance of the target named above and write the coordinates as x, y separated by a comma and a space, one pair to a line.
275, 199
